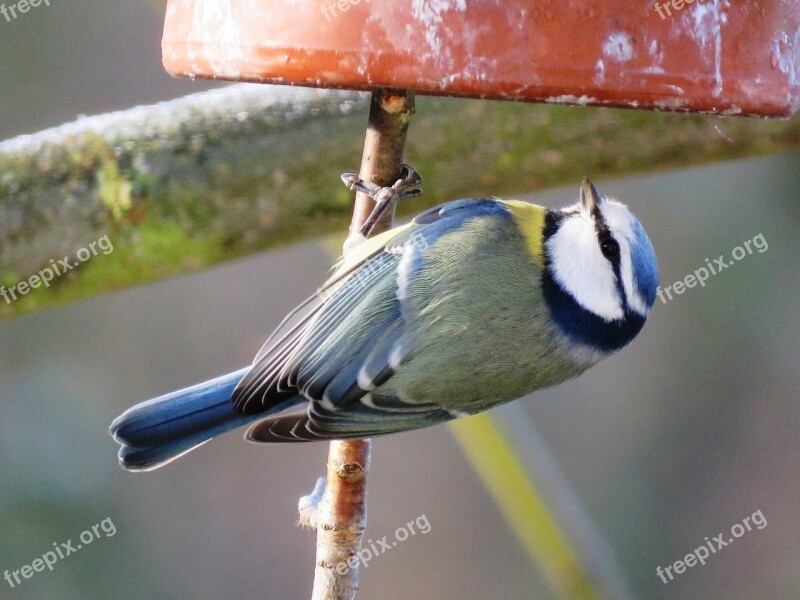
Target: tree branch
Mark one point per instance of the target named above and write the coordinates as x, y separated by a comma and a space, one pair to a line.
341, 517
184, 184
209, 163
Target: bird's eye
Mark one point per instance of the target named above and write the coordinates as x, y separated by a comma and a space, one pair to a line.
609, 247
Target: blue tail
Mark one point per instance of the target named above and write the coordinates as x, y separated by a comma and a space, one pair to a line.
158, 431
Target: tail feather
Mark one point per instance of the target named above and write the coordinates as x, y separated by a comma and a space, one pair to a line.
160, 430
147, 459
177, 414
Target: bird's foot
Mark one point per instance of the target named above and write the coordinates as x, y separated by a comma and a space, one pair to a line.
404, 187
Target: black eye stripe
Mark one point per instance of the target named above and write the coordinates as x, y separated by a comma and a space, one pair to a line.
601, 227
608, 244
604, 235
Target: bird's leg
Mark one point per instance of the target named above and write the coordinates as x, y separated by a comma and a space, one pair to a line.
308, 506
404, 187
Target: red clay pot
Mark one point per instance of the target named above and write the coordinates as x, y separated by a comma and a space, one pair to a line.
724, 56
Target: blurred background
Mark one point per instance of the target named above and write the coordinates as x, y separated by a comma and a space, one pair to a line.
677, 438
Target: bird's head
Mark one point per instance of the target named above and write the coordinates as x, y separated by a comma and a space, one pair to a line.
601, 272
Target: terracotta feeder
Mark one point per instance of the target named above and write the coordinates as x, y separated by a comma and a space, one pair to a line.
720, 56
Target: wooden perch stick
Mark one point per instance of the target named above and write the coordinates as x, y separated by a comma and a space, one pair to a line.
389, 115
341, 517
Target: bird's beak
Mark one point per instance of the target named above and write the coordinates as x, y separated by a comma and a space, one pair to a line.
591, 199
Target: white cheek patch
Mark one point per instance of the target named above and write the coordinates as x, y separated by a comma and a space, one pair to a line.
618, 219
580, 268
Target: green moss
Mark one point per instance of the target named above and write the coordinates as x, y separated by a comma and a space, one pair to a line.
157, 249
113, 189
182, 200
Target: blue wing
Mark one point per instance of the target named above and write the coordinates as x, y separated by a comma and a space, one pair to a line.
348, 338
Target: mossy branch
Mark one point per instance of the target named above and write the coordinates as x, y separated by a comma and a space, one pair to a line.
184, 184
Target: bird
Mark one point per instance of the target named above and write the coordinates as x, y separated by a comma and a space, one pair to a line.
473, 303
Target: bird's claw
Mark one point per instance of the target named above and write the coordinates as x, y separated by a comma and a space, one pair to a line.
403, 188
353, 182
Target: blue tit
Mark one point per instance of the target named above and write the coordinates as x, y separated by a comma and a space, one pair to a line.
473, 303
